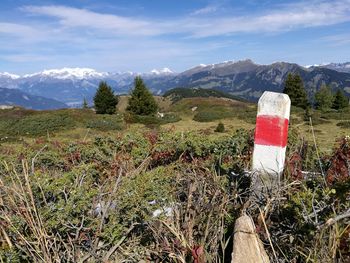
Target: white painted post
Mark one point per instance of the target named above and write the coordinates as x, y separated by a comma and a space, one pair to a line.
271, 133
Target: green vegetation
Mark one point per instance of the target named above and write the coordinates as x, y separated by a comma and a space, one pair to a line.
220, 127
154, 120
212, 109
141, 101
18, 122
105, 123
340, 101
294, 87
344, 124
114, 190
36, 124
159, 195
79, 186
105, 101
324, 98
212, 115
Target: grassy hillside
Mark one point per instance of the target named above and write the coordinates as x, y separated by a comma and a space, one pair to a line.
187, 114
180, 93
73, 182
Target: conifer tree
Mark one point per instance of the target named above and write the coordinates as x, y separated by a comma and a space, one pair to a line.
324, 98
294, 87
105, 101
141, 101
340, 100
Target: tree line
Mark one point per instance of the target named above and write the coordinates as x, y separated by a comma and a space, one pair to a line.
324, 98
141, 101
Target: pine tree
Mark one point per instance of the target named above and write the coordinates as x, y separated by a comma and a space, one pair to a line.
294, 87
85, 104
324, 98
340, 100
105, 101
141, 101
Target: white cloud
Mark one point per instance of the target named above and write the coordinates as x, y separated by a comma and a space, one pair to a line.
111, 41
289, 17
337, 40
18, 30
205, 10
74, 17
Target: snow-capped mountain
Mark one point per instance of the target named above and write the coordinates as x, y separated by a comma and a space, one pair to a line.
68, 73
8, 75
8, 80
72, 85
340, 67
164, 71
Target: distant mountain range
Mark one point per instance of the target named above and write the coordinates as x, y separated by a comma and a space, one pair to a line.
342, 67
244, 79
249, 80
19, 98
72, 85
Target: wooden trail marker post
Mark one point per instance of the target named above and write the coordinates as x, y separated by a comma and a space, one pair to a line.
271, 133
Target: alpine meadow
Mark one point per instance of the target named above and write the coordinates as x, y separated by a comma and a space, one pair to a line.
195, 131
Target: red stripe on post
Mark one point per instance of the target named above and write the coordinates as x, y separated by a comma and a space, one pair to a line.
271, 130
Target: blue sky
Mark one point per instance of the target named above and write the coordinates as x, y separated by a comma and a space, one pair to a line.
135, 35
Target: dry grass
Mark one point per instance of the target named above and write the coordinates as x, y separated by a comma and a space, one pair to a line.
326, 134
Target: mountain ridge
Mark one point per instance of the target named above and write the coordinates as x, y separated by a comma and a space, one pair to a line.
243, 78
81, 72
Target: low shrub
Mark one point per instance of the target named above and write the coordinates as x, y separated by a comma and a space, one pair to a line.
247, 114
220, 127
147, 120
37, 125
337, 115
105, 123
170, 118
317, 118
152, 120
344, 124
208, 116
